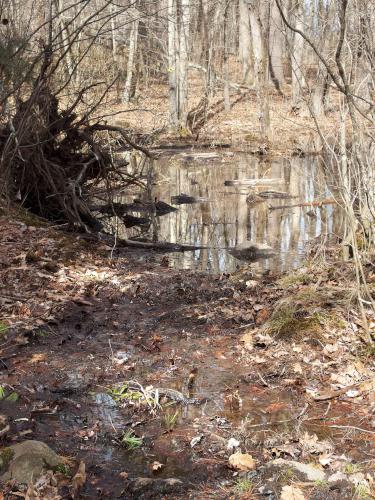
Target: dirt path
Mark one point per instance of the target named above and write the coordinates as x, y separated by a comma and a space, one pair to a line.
84, 326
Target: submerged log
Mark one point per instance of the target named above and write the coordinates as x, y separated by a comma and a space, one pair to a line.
131, 220
252, 252
185, 199
164, 246
328, 201
120, 209
275, 194
251, 182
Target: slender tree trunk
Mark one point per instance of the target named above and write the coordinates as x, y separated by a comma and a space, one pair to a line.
131, 57
173, 70
226, 70
244, 39
276, 48
260, 58
298, 80
183, 64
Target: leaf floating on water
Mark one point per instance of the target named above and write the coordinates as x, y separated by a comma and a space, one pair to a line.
291, 493
242, 461
79, 479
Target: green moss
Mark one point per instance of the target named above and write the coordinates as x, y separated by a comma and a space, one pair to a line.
3, 328
243, 486
29, 218
249, 137
296, 278
289, 320
13, 397
63, 469
6, 455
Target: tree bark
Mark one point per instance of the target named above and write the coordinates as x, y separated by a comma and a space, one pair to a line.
244, 39
298, 80
130, 66
260, 58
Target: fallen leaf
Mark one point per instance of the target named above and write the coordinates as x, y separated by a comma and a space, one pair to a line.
242, 461
247, 339
196, 440
291, 493
311, 444
37, 358
262, 316
79, 479
156, 466
297, 368
31, 493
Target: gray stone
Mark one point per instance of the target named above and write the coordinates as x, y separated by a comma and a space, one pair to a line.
145, 487
311, 472
26, 461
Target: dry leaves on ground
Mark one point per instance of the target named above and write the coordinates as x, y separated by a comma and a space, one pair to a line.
242, 461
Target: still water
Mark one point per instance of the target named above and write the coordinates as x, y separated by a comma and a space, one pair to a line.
225, 219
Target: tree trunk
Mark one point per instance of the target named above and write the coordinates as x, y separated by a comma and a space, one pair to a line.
172, 65
244, 39
276, 48
130, 66
260, 58
298, 80
226, 70
184, 26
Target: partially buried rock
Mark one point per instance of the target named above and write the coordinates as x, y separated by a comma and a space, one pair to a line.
310, 472
145, 487
25, 462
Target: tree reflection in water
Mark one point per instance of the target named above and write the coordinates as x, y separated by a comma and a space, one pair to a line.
227, 220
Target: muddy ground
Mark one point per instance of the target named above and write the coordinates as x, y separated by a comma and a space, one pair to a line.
154, 377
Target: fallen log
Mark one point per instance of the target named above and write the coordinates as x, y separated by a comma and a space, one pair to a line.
275, 194
164, 246
120, 209
328, 201
251, 182
186, 199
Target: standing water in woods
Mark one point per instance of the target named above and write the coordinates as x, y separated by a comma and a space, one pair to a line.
187, 283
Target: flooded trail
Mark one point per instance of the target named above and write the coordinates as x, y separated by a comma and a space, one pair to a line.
159, 327
154, 377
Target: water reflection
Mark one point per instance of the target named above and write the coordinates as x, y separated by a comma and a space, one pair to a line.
227, 220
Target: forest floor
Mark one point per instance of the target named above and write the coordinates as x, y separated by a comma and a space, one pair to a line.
291, 132
170, 384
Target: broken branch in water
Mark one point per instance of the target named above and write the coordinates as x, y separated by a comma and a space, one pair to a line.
328, 201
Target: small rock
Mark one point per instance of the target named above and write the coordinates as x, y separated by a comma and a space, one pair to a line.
337, 476
25, 462
101, 398
233, 443
145, 487
312, 473
357, 478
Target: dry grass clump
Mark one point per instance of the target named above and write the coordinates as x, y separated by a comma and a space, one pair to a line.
307, 311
